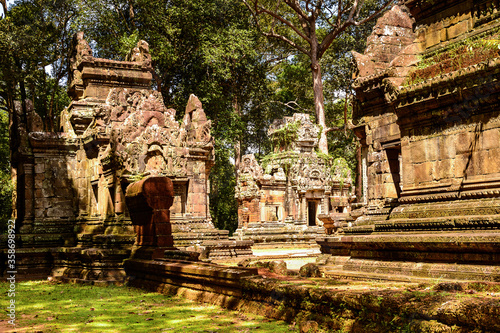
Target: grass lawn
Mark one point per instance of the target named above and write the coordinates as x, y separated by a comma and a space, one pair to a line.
43, 306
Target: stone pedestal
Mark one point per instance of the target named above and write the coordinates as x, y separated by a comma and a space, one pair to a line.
414, 256
149, 201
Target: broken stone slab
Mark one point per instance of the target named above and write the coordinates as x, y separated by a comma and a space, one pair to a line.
205, 277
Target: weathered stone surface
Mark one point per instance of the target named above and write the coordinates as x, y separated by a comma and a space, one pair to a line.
428, 155
116, 131
281, 200
278, 267
310, 270
392, 33
149, 201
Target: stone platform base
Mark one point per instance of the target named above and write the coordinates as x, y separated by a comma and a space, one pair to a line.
90, 264
156, 274
30, 264
455, 256
227, 249
83, 264
200, 235
279, 233
189, 231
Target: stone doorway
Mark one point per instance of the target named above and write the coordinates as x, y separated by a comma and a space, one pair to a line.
180, 197
394, 159
312, 207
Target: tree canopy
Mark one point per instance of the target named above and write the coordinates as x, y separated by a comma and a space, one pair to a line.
311, 27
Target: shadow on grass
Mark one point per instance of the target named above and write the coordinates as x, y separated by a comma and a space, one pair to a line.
43, 306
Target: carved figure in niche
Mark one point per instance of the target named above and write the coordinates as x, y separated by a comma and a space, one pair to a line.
154, 160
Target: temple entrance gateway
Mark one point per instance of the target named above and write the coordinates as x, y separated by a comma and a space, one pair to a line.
393, 153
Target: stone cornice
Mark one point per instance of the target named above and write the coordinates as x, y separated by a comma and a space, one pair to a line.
424, 9
474, 84
48, 140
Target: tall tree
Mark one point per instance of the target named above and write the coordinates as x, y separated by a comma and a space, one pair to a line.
35, 38
310, 27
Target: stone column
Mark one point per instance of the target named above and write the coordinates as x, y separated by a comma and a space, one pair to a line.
119, 201
323, 206
303, 208
262, 212
30, 187
364, 175
29, 197
207, 201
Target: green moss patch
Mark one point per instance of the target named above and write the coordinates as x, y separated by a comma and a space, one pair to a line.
462, 55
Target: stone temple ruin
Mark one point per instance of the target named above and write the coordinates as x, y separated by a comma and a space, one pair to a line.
427, 117
284, 199
428, 192
71, 185
123, 185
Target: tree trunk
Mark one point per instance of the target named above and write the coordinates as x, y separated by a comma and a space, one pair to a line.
4, 6
319, 104
237, 143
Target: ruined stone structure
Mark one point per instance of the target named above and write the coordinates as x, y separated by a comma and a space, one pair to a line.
71, 185
281, 199
428, 119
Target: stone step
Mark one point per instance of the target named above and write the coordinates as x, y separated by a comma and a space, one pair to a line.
411, 271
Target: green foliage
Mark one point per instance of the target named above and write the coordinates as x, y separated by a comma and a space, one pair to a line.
108, 25
284, 159
223, 205
283, 137
293, 85
35, 38
5, 179
342, 143
338, 166
128, 42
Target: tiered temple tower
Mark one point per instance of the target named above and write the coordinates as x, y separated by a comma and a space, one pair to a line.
428, 119
285, 197
71, 208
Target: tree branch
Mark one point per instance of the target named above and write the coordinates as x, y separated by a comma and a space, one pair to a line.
371, 17
294, 4
317, 10
305, 21
334, 129
330, 37
259, 10
352, 12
